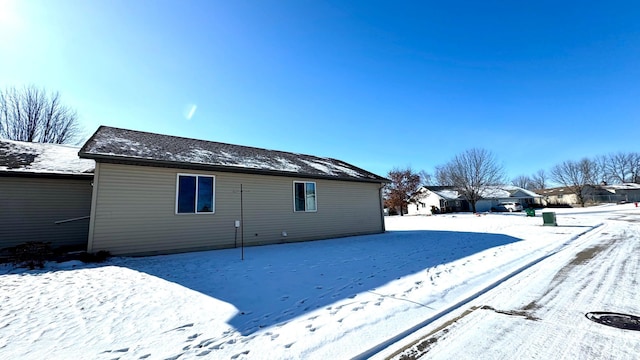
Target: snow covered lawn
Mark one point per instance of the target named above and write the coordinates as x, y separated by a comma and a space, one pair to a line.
324, 299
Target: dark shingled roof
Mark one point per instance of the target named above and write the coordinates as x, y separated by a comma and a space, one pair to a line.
19, 158
110, 144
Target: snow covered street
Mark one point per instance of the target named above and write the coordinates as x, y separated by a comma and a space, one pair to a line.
540, 313
343, 297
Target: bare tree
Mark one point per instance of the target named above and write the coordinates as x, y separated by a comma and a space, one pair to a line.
404, 183
425, 178
31, 114
539, 180
622, 167
601, 166
522, 181
575, 175
635, 168
471, 172
441, 175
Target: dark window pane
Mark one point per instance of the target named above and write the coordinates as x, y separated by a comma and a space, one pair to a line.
205, 194
186, 194
299, 196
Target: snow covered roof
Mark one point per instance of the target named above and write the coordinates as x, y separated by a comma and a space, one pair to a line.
445, 192
506, 191
24, 158
623, 186
128, 146
492, 192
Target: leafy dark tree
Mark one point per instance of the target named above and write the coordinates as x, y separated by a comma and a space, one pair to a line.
577, 176
31, 114
472, 172
404, 183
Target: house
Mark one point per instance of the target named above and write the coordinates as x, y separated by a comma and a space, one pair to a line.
449, 199
156, 193
493, 196
436, 199
45, 194
565, 196
592, 194
627, 192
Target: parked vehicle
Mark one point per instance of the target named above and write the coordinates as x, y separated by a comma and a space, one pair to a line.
511, 206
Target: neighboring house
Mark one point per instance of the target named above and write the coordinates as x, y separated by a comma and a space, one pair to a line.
437, 199
445, 199
629, 192
162, 194
493, 196
45, 194
564, 196
558, 196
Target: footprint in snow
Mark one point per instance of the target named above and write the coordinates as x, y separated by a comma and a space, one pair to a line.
180, 328
240, 354
193, 337
175, 357
116, 351
205, 343
203, 353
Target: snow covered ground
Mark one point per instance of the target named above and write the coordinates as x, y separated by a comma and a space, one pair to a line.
336, 298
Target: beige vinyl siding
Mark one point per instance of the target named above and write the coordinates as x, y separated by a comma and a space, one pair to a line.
135, 211
29, 208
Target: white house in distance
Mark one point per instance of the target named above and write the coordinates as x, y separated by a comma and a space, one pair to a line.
446, 199
442, 198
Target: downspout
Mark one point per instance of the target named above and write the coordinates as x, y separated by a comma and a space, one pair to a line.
381, 206
94, 203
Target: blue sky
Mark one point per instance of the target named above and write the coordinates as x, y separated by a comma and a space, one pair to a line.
379, 84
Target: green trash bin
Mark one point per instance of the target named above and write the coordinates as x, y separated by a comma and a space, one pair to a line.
549, 219
530, 212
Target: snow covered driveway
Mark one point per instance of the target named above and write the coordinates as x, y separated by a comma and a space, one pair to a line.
316, 300
540, 313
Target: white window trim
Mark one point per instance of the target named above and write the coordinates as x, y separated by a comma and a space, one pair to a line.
213, 202
315, 186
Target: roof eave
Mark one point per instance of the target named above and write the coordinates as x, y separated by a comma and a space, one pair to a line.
114, 159
48, 175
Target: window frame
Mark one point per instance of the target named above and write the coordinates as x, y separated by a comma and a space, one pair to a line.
197, 182
315, 197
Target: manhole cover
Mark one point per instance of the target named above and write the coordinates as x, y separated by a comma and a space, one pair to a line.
617, 320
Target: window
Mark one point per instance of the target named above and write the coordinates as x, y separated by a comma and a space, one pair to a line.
304, 196
195, 194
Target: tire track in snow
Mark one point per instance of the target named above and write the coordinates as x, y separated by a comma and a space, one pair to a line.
598, 275
383, 345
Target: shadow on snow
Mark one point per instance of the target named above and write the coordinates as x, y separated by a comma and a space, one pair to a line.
277, 283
